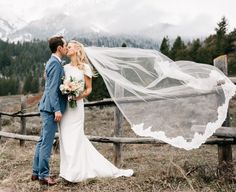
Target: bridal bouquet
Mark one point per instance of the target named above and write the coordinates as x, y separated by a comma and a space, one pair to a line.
73, 88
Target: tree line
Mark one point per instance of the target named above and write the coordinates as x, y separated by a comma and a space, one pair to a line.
205, 51
22, 64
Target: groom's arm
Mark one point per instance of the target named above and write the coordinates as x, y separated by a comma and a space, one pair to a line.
55, 74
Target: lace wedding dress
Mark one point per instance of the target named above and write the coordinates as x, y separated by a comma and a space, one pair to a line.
79, 160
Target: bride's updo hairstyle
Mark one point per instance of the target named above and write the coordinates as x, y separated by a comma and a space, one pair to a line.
81, 56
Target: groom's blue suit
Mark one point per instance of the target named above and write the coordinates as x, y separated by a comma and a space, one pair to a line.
52, 101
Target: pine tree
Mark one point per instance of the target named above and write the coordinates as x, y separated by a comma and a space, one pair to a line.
178, 50
124, 45
165, 46
222, 42
34, 85
194, 50
27, 84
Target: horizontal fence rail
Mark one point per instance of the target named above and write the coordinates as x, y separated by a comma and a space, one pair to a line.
224, 132
123, 140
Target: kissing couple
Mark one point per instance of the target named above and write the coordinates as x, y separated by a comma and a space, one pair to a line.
79, 160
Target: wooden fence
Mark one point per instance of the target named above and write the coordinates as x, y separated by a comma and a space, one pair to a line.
225, 136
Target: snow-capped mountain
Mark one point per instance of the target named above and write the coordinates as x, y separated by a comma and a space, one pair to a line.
63, 24
9, 25
5, 28
74, 26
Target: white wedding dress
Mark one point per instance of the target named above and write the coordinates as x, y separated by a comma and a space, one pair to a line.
79, 160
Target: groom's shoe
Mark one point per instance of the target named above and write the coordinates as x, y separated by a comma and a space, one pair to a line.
34, 178
47, 181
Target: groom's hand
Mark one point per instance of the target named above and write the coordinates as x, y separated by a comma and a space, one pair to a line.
58, 116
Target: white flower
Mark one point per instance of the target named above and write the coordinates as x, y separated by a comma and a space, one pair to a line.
72, 87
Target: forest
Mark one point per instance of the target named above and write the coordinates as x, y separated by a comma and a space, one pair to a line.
22, 63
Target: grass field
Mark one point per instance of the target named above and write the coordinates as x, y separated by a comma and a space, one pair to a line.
156, 167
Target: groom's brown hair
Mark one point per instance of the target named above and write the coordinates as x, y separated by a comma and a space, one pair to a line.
54, 42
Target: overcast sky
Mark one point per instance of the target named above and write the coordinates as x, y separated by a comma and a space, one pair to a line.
192, 17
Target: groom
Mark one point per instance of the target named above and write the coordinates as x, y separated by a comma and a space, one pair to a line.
52, 105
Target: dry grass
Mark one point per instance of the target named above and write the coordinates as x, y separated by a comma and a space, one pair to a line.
157, 168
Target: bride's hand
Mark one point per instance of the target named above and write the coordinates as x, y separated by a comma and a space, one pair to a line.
79, 97
84, 94
220, 82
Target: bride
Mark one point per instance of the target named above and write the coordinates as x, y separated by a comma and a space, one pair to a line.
79, 160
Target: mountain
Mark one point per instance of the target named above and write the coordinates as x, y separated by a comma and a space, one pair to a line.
75, 26
5, 28
50, 25
9, 23
70, 26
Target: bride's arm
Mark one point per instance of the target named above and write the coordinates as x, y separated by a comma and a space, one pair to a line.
88, 87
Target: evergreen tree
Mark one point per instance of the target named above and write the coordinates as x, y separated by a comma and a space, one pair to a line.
194, 50
179, 50
8, 86
99, 89
123, 45
232, 41
222, 42
221, 30
27, 84
34, 88
232, 65
165, 46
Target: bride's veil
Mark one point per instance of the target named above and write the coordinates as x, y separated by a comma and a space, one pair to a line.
179, 102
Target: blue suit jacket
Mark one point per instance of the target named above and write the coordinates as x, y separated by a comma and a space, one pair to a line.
52, 99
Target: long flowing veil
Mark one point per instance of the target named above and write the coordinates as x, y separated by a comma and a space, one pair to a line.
180, 103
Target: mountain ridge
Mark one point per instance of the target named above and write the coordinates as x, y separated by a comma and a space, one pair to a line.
70, 27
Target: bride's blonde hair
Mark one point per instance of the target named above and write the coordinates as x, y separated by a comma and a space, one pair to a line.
81, 57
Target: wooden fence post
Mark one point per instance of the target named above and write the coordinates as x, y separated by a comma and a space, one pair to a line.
118, 131
225, 158
23, 119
